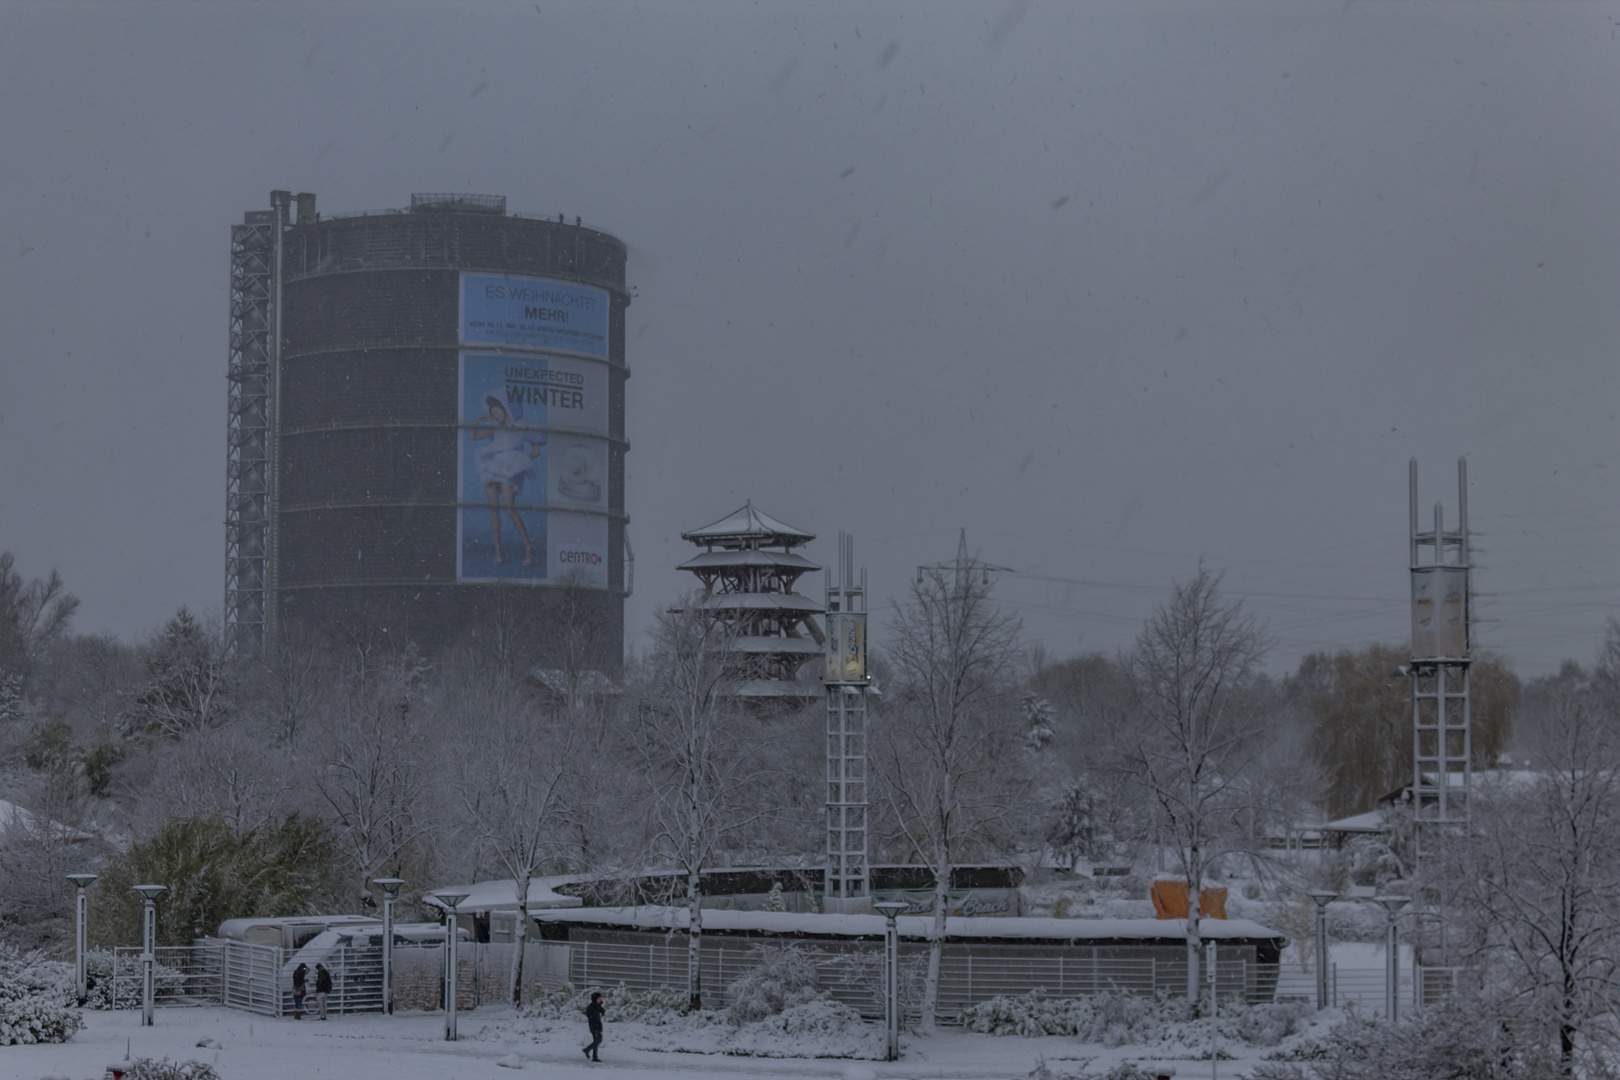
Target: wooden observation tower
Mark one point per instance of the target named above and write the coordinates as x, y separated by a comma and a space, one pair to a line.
749, 569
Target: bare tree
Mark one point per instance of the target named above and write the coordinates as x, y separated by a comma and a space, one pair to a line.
1193, 672
513, 785
1096, 809
1536, 883
372, 772
222, 773
291, 676
699, 751
575, 640
945, 743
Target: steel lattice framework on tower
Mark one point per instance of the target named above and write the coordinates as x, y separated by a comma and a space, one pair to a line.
848, 881
1442, 743
248, 450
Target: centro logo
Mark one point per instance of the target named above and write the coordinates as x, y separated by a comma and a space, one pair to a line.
589, 558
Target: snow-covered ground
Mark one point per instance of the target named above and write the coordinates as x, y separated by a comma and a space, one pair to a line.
412, 1047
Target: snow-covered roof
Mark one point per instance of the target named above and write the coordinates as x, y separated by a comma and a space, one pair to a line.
724, 560
748, 524
759, 602
13, 816
657, 917
1370, 822
501, 894
760, 643
777, 688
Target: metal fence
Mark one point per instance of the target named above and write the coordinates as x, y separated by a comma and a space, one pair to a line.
252, 977
851, 972
1364, 988
185, 975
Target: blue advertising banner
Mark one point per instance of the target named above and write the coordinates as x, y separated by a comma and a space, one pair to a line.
526, 453
533, 313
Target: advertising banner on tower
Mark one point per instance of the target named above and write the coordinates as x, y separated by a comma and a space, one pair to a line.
534, 313
531, 455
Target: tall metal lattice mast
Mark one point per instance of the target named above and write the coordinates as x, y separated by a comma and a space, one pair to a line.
1442, 747
254, 244
252, 456
848, 886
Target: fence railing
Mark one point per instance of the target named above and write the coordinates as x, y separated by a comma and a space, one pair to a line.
254, 977
1364, 987
852, 972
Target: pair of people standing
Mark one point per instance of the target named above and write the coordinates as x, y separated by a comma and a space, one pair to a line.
323, 987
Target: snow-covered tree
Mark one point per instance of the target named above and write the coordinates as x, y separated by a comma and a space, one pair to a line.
1535, 885
698, 751
1039, 718
513, 784
33, 615
942, 743
371, 769
1194, 674
187, 681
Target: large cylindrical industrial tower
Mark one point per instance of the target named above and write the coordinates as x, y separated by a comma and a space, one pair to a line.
441, 397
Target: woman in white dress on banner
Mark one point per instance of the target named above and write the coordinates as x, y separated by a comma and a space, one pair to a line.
503, 466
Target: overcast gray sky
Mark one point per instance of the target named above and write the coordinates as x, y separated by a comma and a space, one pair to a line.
1114, 287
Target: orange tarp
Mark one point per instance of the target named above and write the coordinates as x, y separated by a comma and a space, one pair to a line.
1170, 901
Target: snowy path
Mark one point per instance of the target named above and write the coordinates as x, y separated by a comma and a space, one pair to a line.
411, 1047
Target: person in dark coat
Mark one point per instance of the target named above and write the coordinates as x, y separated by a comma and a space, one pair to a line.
323, 986
300, 977
593, 1017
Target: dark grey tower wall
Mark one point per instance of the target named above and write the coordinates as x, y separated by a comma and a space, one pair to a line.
372, 433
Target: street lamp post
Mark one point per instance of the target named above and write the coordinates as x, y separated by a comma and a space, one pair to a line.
1323, 899
891, 972
148, 949
390, 887
81, 918
1392, 972
450, 900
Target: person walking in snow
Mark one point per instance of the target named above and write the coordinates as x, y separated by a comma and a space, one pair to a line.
593, 1017
300, 978
323, 986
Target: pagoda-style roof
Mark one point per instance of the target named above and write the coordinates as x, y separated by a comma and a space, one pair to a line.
745, 601
749, 527
776, 646
726, 560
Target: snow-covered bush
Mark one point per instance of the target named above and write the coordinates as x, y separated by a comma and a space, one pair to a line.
1268, 1024
662, 1006
785, 978
818, 1028
1114, 1019
1454, 1039
1125, 1070
36, 999
164, 1069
